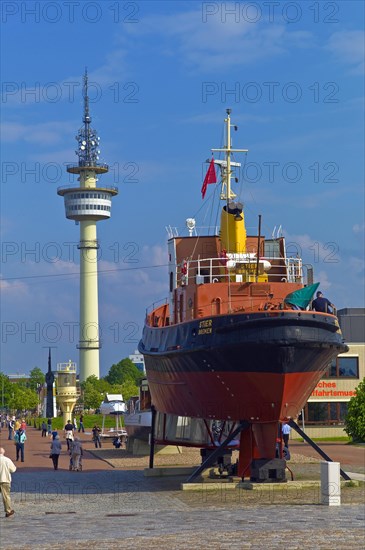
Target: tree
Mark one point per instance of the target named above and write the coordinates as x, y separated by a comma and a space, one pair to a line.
5, 387
22, 399
92, 397
122, 371
99, 384
90, 380
94, 390
355, 418
129, 389
36, 378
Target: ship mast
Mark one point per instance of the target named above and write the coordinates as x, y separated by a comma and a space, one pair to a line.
227, 194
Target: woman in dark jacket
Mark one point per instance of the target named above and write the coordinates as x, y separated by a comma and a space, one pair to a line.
56, 448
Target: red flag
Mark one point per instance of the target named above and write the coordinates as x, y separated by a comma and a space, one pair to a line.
210, 177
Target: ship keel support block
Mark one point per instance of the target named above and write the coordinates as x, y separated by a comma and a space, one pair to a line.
219, 451
268, 471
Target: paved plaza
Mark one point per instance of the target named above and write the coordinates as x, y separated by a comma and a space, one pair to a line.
105, 507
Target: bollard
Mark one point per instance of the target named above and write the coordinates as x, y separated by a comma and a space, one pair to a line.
330, 484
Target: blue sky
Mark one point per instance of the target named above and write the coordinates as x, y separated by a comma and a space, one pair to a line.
161, 77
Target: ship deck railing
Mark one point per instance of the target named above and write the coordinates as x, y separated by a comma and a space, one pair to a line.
214, 270
159, 316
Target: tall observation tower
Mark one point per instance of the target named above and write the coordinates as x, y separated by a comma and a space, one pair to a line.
86, 204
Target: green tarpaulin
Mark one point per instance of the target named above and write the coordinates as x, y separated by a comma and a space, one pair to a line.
302, 297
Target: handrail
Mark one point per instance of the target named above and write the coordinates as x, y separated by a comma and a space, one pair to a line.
293, 266
75, 187
249, 306
152, 307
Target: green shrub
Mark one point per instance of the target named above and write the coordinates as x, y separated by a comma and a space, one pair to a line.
89, 421
355, 418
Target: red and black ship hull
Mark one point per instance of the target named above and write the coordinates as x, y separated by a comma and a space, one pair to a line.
260, 367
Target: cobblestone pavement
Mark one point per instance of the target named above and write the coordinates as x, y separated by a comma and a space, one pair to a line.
108, 506
113, 509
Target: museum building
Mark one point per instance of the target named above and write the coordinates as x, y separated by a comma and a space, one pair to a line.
326, 408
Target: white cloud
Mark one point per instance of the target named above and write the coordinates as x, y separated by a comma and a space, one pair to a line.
348, 48
13, 288
316, 250
156, 253
359, 228
140, 279
62, 157
218, 45
114, 69
41, 133
322, 276
22, 94
357, 265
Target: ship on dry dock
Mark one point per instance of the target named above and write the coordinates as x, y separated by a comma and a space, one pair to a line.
236, 340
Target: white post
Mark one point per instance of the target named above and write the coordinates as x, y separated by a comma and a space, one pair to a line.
330, 484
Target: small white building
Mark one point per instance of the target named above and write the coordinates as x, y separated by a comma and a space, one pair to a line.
138, 360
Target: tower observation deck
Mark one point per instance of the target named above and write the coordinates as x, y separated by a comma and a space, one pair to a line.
87, 203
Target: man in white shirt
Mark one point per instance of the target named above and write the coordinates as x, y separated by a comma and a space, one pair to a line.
7, 467
286, 429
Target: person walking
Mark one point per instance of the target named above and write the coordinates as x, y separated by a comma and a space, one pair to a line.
56, 448
96, 436
11, 425
76, 453
49, 426
44, 429
7, 467
81, 423
286, 429
69, 433
20, 438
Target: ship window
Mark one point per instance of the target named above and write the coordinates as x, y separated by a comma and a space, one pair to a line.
344, 367
171, 281
181, 307
216, 306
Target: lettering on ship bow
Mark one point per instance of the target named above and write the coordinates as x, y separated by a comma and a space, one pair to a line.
205, 327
